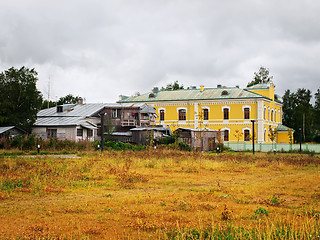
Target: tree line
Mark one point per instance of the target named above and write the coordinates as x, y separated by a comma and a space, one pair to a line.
298, 112
20, 101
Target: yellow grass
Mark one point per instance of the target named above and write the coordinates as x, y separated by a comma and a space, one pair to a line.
158, 194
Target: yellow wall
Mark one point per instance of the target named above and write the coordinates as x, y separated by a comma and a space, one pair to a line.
236, 115
283, 137
265, 92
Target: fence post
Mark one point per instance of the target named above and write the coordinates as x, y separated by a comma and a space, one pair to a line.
260, 147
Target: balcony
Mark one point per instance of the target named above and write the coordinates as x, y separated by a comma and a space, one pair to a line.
128, 123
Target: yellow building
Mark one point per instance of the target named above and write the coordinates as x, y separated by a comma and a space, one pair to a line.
230, 110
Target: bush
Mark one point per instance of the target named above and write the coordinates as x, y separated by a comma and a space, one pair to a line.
118, 146
167, 140
222, 147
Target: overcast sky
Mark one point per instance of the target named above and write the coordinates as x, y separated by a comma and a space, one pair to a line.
99, 49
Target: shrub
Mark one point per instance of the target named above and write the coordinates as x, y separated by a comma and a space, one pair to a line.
167, 140
260, 212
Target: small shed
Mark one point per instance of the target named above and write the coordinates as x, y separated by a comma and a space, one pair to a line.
201, 139
283, 133
11, 131
122, 136
147, 135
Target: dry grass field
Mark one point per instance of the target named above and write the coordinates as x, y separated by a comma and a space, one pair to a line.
160, 194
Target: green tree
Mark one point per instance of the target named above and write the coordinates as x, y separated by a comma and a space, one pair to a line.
69, 99
20, 99
262, 76
48, 104
316, 117
272, 135
299, 113
173, 86
288, 108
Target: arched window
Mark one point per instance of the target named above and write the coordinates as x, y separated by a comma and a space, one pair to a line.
161, 115
275, 115
264, 112
224, 93
182, 115
226, 135
268, 113
265, 135
246, 135
272, 115
205, 114
246, 113
226, 113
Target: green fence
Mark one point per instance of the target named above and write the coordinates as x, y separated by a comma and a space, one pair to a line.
267, 147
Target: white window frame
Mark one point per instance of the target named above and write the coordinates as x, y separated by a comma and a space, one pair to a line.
225, 106
246, 128
208, 108
161, 108
223, 129
182, 108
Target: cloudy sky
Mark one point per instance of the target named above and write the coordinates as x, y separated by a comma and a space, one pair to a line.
99, 49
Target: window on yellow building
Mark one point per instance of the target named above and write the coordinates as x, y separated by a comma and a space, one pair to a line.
264, 113
246, 135
226, 135
246, 113
272, 115
182, 114
275, 115
205, 114
161, 115
225, 113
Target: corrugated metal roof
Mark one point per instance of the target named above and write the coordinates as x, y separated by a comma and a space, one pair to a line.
148, 110
77, 113
58, 121
4, 129
84, 110
87, 125
126, 134
195, 94
162, 129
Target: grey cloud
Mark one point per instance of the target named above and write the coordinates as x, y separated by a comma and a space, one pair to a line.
128, 46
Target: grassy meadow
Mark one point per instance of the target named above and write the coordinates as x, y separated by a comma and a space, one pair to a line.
160, 194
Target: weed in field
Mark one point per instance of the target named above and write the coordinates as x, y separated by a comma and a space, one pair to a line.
259, 212
15, 184
275, 200
226, 213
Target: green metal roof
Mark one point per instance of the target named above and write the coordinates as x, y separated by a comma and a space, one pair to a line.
283, 128
195, 94
260, 86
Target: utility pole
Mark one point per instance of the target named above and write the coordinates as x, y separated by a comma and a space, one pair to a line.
304, 126
300, 129
102, 131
